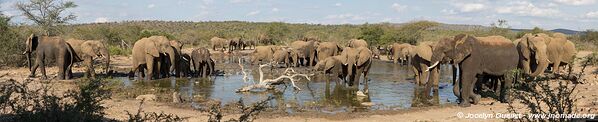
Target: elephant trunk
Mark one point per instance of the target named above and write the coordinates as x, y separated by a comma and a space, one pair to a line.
172, 56
104, 52
541, 62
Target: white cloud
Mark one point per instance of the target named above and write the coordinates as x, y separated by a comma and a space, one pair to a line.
345, 16
470, 7
593, 14
239, 1
524, 8
398, 7
253, 13
275, 9
448, 11
151, 5
338, 4
101, 20
577, 2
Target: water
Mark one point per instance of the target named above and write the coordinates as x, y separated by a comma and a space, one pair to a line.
391, 88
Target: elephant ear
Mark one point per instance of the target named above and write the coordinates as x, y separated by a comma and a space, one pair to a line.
364, 56
523, 46
329, 63
89, 49
154, 51
424, 51
463, 48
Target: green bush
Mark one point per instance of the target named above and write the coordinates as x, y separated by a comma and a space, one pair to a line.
11, 45
115, 50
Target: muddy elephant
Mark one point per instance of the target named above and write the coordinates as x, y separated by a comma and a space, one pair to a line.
399, 53
147, 54
282, 55
218, 42
328, 49
202, 62
87, 51
46, 49
357, 61
532, 55
263, 54
560, 50
477, 56
306, 52
355, 43
333, 66
265, 39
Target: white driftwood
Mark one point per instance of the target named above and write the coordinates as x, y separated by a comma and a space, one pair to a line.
289, 73
245, 76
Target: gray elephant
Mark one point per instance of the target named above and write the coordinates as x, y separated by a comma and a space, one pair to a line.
328, 49
248, 43
355, 43
146, 55
234, 44
420, 61
218, 42
357, 61
202, 62
560, 50
477, 56
533, 55
306, 52
282, 55
399, 53
46, 49
169, 59
87, 50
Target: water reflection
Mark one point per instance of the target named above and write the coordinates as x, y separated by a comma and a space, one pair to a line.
391, 87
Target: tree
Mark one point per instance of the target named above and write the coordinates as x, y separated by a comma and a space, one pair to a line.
371, 33
500, 27
47, 13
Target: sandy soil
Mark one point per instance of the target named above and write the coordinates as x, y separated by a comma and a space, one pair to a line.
587, 103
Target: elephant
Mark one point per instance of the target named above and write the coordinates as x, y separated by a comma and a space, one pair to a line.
332, 66
560, 50
306, 52
399, 53
218, 42
477, 56
47, 48
355, 43
420, 61
375, 52
533, 55
147, 53
87, 50
169, 59
234, 44
248, 43
263, 53
357, 61
184, 66
202, 62
282, 55
265, 39
328, 49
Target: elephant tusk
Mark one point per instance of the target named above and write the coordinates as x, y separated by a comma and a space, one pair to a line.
433, 65
25, 52
185, 59
549, 61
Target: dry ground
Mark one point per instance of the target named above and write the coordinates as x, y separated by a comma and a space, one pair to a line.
587, 94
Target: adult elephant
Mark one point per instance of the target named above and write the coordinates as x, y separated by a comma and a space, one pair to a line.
218, 42
355, 43
420, 61
306, 52
477, 56
265, 39
357, 61
400, 53
234, 44
533, 55
202, 62
184, 66
328, 49
147, 54
169, 59
248, 43
560, 50
87, 51
46, 49
263, 53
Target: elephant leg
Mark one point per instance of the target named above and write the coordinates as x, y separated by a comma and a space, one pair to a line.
526, 67
416, 74
504, 92
357, 77
468, 82
555, 65
38, 61
456, 82
61, 62
204, 71
42, 67
432, 82
150, 67
90, 72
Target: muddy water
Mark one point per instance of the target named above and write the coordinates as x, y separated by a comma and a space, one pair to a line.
391, 87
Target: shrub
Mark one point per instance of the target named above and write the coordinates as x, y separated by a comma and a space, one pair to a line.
141, 116
20, 102
11, 46
115, 50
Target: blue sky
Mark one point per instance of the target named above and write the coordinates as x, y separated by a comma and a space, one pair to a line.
547, 14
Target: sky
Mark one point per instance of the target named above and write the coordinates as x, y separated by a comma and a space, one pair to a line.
546, 14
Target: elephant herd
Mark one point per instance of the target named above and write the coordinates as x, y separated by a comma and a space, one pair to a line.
488, 60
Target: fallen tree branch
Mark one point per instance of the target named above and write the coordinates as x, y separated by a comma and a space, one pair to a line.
245, 77
289, 73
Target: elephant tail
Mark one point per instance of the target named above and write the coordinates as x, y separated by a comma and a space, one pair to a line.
73, 58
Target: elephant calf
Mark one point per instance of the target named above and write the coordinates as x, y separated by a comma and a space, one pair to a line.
87, 50
332, 66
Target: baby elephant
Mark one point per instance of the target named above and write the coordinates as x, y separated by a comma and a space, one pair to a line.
331, 66
202, 62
